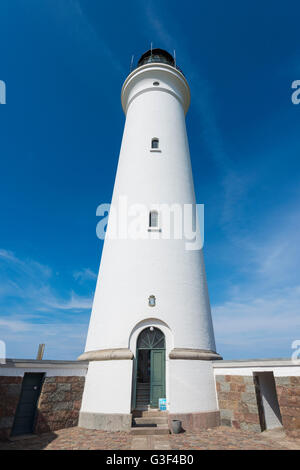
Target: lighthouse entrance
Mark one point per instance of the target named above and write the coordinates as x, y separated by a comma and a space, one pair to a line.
150, 368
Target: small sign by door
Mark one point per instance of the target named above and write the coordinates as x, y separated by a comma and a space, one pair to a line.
162, 403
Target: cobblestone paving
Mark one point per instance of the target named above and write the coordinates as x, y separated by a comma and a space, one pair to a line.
224, 438
73, 439
214, 439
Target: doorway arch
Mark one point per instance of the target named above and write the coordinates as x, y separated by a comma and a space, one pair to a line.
150, 380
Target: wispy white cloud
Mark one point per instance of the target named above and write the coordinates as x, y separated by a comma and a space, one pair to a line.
63, 341
75, 302
85, 274
263, 325
235, 184
27, 266
14, 325
32, 310
27, 280
161, 32
71, 17
262, 310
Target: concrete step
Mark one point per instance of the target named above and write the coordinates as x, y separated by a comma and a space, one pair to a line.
151, 420
144, 431
150, 413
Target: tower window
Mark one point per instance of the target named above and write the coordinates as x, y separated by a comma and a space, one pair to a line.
153, 219
155, 143
153, 222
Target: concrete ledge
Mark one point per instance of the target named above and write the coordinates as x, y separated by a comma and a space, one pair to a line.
195, 354
42, 364
277, 362
105, 421
106, 355
193, 422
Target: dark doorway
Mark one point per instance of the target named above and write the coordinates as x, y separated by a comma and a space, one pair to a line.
143, 373
268, 407
26, 410
150, 376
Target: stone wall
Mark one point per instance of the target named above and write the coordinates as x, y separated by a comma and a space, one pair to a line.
59, 403
58, 406
237, 402
288, 392
10, 389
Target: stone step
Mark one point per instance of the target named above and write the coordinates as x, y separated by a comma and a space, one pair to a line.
149, 413
151, 420
140, 430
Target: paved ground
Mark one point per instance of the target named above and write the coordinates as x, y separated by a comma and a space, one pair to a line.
218, 438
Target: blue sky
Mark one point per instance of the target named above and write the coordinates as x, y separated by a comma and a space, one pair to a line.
64, 62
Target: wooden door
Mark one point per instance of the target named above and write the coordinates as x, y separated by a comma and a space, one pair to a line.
157, 375
26, 410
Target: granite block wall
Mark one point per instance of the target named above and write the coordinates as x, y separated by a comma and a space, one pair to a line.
59, 403
288, 392
237, 402
10, 389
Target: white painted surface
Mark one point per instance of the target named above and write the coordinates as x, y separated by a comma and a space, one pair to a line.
269, 400
132, 270
278, 371
192, 387
50, 370
108, 387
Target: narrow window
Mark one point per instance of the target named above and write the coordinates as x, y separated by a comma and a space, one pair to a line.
153, 219
155, 143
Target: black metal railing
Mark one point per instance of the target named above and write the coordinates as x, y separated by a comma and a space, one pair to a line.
155, 56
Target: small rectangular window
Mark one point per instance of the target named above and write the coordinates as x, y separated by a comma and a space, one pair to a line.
153, 222
153, 219
155, 143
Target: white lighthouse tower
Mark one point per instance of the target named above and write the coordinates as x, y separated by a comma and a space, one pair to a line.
150, 334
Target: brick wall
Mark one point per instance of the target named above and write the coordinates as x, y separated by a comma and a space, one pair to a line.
10, 389
237, 402
288, 392
59, 403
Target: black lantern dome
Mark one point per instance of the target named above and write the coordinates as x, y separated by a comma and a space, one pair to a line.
157, 56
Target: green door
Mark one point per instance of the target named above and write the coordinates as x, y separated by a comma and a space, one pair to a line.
157, 376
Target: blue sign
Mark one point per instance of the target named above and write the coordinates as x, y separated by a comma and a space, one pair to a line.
162, 403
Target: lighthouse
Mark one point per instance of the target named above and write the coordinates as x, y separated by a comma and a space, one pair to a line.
150, 335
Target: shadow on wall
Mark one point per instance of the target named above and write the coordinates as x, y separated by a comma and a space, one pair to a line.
38, 404
59, 403
10, 390
34, 442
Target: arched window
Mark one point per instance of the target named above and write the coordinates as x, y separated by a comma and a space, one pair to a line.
151, 338
155, 143
153, 219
